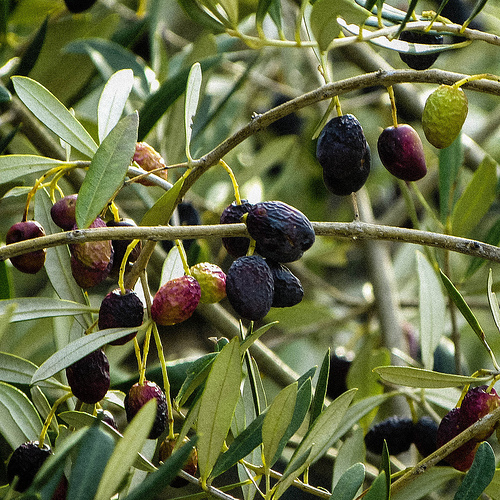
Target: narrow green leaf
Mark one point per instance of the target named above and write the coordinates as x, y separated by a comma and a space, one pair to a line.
433, 480
351, 452
20, 421
6, 317
450, 161
80, 419
476, 200
493, 301
256, 335
16, 370
5, 96
218, 403
126, 450
320, 391
172, 266
88, 466
479, 476
42, 307
166, 95
492, 238
77, 350
58, 261
54, 115
5, 287
432, 310
194, 10
277, 420
161, 212
196, 375
378, 490
324, 16
193, 88
231, 9
107, 170
385, 466
262, 9
418, 377
112, 101
153, 485
317, 440
463, 307
349, 483
15, 166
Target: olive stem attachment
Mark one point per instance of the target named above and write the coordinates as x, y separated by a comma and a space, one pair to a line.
394, 111
123, 265
472, 78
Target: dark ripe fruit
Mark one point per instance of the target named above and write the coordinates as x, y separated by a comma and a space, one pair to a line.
166, 449
63, 212
282, 233
120, 246
121, 311
212, 281
77, 6
176, 301
337, 378
425, 435
402, 153
138, 396
462, 458
91, 262
149, 159
422, 61
30, 262
250, 287
288, 290
236, 247
476, 404
344, 154
397, 431
89, 377
107, 417
25, 462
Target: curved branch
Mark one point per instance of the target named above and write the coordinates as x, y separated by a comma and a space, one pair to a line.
353, 230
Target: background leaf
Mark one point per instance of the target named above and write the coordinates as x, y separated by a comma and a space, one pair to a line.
112, 101
161, 212
450, 161
16, 370
107, 170
432, 309
193, 88
320, 390
349, 483
476, 199
53, 114
15, 166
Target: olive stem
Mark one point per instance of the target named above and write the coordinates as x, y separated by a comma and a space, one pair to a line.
166, 382
472, 78
50, 416
394, 111
236, 187
354, 200
123, 265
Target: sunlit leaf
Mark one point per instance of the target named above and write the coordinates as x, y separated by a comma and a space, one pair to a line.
195, 376
77, 350
14, 166
320, 390
112, 101
193, 88
432, 310
277, 419
418, 377
42, 307
218, 403
16, 370
53, 114
126, 449
161, 212
378, 490
20, 421
107, 170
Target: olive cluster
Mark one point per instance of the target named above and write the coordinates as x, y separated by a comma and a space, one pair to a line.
281, 233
